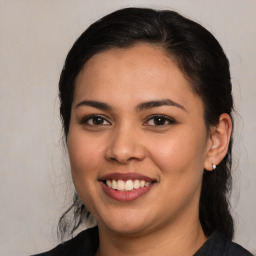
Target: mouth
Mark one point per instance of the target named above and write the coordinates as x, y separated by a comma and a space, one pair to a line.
126, 186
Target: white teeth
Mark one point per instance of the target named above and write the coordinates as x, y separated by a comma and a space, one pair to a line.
127, 185
136, 184
120, 185
147, 184
109, 183
113, 185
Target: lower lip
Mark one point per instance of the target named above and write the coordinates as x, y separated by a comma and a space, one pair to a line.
126, 196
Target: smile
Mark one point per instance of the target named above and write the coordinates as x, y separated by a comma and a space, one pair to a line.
126, 186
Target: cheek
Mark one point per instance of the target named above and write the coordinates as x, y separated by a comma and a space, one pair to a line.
180, 153
84, 155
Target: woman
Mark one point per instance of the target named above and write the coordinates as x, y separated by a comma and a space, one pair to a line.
146, 106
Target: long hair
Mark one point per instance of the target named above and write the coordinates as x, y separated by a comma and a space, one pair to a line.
202, 61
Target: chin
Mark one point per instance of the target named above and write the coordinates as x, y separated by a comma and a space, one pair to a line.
126, 225
130, 230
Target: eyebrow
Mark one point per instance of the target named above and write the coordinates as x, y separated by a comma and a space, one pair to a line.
159, 103
140, 107
95, 104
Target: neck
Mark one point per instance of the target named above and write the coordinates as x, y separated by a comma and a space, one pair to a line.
177, 240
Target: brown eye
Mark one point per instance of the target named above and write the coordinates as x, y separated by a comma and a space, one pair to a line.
159, 120
95, 120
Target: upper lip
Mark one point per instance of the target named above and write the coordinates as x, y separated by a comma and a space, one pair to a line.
126, 176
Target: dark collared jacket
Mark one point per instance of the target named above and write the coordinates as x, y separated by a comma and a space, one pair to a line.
86, 244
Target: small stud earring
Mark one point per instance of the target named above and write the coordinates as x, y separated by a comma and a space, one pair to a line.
214, 166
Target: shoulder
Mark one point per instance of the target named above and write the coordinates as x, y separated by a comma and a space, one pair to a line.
85, 243
234, 249
218, 245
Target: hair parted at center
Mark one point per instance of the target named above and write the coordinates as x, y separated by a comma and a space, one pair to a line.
203, 63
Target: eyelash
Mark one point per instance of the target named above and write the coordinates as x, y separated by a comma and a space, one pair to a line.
164, 117
153, 118
86, 120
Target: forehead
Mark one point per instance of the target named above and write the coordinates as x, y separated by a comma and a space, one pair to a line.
142, 71
142, 54
145, 50
142, 59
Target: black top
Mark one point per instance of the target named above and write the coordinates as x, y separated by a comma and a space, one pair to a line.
86, 244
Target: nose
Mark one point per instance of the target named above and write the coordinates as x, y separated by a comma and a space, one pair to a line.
125, 146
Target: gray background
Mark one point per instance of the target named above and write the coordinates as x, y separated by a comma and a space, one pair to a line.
35, 36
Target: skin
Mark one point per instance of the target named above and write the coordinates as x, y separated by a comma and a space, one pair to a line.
164, 221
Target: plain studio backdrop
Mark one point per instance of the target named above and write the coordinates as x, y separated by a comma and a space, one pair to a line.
35, 36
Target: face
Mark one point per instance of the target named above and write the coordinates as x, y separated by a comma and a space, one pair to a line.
137, 141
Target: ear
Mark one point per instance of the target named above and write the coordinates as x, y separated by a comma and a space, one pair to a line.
219, 138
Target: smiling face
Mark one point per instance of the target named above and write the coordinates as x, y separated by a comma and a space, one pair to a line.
137, 141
